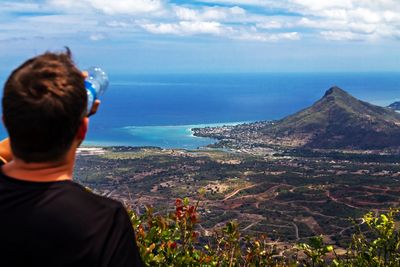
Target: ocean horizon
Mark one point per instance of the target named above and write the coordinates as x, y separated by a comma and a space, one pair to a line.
160, 109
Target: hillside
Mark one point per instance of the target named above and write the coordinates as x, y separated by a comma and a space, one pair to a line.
395, 105
337, 121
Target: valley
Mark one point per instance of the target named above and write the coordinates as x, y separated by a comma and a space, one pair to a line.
289, 195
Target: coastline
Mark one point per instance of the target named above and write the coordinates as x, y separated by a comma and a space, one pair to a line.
168, 136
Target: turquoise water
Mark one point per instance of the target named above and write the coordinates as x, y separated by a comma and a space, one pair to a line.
178, 136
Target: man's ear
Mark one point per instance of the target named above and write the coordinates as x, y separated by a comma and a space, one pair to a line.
83, 128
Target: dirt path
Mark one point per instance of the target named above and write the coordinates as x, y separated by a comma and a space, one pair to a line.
230, 195
328, 195
250, 225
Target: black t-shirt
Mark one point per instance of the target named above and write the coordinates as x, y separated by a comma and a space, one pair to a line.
62, 224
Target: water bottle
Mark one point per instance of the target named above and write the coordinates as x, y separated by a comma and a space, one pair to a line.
96, 84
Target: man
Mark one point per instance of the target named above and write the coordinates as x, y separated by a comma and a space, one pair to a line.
46, 219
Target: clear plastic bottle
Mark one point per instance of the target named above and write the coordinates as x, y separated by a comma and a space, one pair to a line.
96, 84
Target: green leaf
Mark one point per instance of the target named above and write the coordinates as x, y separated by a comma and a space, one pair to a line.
329, 248
186, 201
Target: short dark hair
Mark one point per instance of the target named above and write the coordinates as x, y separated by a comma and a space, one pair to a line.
44, 102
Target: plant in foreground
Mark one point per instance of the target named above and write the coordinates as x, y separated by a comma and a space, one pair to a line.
174, 240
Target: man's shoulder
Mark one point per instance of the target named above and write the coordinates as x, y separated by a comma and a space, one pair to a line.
67, 194
82, 193
82, 210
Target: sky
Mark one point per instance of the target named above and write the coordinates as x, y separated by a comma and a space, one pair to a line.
206, 36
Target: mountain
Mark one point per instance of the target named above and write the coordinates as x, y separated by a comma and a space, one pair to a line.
395, 105
339, 120
336, 121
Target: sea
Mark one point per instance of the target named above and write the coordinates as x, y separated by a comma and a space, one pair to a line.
160, 109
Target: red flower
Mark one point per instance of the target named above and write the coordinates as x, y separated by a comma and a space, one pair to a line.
195, 235
178, 202
179, 214
172, 245
193, 218
191, 209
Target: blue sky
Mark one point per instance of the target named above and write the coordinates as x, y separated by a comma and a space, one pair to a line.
167, 36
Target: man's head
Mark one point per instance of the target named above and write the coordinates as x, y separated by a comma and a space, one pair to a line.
44, 104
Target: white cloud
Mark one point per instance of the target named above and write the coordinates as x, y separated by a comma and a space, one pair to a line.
342, 20
46, 26
18, 7
342, 36
265, 37
336, 19
312, 5
131, 7
351, 20
209, 13
390, 16
236, 2
117, 24
127, 6
61, 20
186, 28
217, 29
365, 15
97, 36
229, 22
70, 6
273, 24
363, 28
338, 26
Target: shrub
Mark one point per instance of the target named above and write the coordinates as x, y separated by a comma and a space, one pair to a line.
174, 240
377, 246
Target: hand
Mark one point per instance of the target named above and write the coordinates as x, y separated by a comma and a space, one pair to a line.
95, 106
96, 102
5, 150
